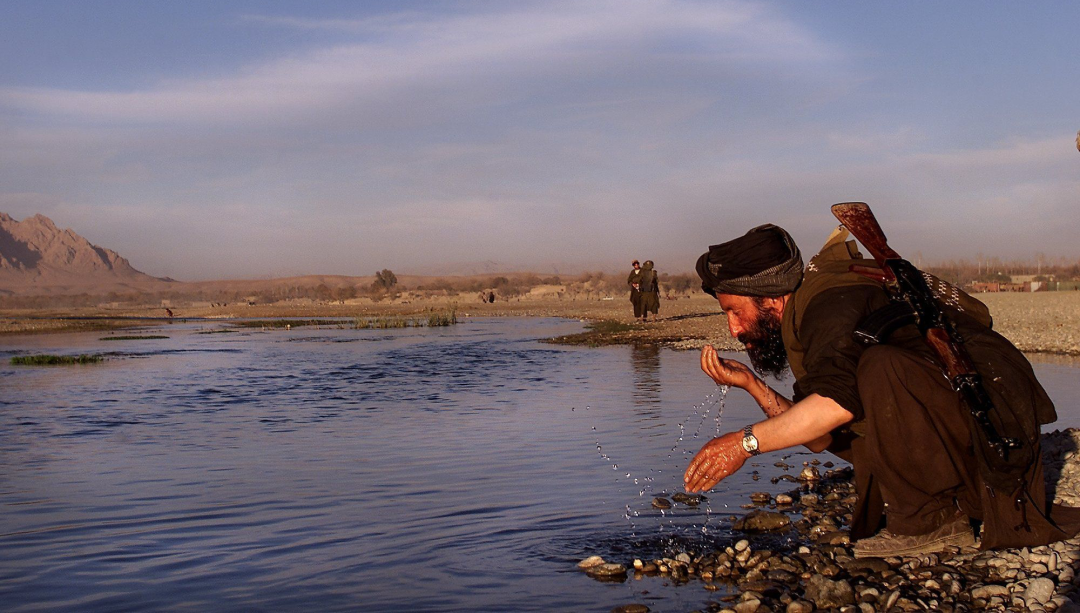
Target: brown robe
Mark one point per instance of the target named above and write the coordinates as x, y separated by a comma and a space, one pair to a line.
634, 281
650, 290
916, 451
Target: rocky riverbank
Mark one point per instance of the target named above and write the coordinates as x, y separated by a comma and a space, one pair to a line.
816, 571
1046, 322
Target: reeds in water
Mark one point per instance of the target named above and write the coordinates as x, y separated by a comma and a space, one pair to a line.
433, 320
444, 318
54, 360
147, 337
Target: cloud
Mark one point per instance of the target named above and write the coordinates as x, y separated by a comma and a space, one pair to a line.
401, 57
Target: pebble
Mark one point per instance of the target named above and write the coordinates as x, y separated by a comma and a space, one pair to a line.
661, 503
799, 606
760, 498
784, 500
631, 608
827, 594
1040, 590
989, 591
762, 521
607, 570
690, 500
748, 606
590, 562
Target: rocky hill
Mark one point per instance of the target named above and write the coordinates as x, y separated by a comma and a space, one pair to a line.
36, 257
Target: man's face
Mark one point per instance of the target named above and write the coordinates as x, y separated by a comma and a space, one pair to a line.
755, 322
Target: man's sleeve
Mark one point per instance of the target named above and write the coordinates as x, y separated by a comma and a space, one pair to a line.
832, 354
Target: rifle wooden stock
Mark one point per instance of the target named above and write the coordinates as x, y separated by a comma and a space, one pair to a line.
857, 217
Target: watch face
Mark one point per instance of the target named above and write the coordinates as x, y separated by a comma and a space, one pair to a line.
749, 443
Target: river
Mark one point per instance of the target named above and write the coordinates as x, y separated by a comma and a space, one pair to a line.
459, 468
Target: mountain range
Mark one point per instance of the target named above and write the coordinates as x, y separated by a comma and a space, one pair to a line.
36, 257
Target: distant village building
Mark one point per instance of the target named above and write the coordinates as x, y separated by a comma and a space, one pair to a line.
1017, 283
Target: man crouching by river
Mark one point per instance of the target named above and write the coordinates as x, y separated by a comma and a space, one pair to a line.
888, 409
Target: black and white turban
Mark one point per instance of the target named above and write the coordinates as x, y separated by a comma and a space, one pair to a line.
763, 262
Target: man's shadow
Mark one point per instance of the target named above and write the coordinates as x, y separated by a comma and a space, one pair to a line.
645, 360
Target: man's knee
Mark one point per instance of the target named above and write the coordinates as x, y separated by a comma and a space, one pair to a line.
890, 376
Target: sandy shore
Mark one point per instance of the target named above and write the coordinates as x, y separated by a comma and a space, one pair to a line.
1046, 322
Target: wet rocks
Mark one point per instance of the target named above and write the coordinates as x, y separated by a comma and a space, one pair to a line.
607, 569
631, 608
809, 474
811, 566
595, 566
590, 562
690, 500
661, 503
762, 521
760, 498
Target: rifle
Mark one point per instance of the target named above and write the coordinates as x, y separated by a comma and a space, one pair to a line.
914, 302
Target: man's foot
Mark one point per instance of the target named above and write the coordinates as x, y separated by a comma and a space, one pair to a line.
885, 544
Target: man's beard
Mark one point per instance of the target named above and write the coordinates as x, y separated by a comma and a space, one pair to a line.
765, 344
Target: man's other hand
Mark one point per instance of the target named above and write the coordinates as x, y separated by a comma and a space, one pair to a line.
725, 372
716, 460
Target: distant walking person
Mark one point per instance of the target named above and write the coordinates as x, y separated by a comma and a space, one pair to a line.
650, 291
634, 281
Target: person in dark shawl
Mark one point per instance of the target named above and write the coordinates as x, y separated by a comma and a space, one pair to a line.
650, 291
634, 281
888, 409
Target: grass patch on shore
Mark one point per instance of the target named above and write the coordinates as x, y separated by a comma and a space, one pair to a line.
147, 337
54, 360
599, 333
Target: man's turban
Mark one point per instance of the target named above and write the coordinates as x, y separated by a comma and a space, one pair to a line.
763, 262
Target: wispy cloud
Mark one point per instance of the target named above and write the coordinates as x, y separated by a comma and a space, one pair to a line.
422, 60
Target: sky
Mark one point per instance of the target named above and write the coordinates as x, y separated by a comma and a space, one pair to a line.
256, 139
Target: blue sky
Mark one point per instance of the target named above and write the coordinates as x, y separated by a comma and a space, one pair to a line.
251, 139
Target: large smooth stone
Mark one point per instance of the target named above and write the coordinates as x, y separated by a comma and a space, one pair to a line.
762, 521
1040, 590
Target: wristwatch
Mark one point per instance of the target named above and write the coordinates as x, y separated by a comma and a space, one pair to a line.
749, 441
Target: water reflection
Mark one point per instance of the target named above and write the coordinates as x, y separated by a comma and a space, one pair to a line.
645, 360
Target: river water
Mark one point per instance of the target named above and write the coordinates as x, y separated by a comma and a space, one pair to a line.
459, 468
